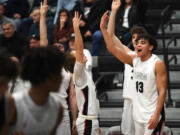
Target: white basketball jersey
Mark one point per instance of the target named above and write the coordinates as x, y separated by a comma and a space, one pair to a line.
33, 119
62, 94
145, 101
87, 101
128, 89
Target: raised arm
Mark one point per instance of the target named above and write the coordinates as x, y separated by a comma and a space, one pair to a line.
161, 80
122, 55
79, 46
43, 27
111, 25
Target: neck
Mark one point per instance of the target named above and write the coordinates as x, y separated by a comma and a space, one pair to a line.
39, 94
146, 57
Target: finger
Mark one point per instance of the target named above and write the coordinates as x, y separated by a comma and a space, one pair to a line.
45, 2
41, 4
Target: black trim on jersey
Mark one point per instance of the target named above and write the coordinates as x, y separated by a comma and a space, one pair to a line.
87, 127
2, 111
159, 127
85, 106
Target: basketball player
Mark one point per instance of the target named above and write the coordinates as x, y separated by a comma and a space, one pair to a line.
37, 111
8, 71
88, 104
149, 75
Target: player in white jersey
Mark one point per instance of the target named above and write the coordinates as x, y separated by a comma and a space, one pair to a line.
34, 107
8, 71
127, 124
143, 49
88, 104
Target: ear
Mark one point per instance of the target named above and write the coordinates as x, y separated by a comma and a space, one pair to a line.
151, 47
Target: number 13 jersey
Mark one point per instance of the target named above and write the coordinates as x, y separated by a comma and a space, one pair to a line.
145, 101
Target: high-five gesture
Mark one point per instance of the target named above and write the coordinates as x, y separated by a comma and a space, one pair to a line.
116, 4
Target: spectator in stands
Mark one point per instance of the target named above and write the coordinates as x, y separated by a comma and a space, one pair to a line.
34, 41
3, 18
131, 12
64, 4
93, 31
63, 28
13, 41
34, 27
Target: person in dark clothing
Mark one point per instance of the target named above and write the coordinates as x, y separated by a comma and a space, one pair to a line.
12, 41
132, 12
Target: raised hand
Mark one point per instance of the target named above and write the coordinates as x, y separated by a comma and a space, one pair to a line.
116, 4
76, 20
44, 8
104, 20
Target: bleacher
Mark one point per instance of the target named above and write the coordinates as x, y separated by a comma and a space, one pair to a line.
164, 23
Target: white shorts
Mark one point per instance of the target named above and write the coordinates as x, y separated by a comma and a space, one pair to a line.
127, 124
64, 127
87, 127
142, 129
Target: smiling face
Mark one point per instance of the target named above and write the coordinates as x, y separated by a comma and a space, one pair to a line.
143, 49
8, 30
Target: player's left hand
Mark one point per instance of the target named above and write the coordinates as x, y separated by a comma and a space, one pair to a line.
153, 122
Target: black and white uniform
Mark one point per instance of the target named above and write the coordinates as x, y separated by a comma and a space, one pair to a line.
127, 124
145, 101
64, 127
88, 104
34, 119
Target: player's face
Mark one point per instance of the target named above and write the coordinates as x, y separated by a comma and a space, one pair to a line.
134, 37
143, 48
3, 85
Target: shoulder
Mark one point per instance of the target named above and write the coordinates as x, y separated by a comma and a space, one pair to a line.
160, 66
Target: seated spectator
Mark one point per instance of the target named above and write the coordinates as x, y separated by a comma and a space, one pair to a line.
66, 4
132, 12
14, 42
34, 25
3, 18
34, 41
93, 29
63, 27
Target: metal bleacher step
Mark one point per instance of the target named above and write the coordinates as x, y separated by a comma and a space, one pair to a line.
112, 117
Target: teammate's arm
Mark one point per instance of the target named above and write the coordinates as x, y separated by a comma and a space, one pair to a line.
111, 25
43, 27
73, 103
122, 55
161, 80
79, 72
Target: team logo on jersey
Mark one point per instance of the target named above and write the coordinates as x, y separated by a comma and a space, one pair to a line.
140, 75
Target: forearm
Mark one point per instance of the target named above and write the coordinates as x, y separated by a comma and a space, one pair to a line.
160, 103
43, 31
74, 108
111, 24
78, 45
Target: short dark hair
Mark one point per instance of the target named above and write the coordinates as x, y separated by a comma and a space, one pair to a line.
138, 30
152, 41
8, 68
41, 62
